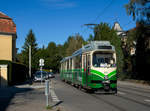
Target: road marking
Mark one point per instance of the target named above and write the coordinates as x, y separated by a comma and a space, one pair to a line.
53, 95
122, 93
147, 100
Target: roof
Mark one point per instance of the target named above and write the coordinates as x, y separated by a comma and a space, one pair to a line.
117, 27
7, 26
93, 45
2, 15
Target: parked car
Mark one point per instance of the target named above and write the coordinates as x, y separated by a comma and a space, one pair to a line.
51, 75
39, 77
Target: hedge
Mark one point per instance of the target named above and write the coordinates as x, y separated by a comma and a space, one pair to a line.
17, 73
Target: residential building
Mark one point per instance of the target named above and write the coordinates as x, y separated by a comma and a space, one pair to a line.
123, 35
7, 38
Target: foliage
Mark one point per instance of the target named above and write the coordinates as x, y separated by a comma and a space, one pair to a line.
129, 60
143, 52
103, 32
139, 9
91, 38
30, 40
51, 58
74, 43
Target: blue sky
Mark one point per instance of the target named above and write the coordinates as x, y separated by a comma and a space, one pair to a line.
55, 20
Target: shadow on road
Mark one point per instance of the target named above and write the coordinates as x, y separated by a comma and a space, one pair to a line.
58, 103
8, 93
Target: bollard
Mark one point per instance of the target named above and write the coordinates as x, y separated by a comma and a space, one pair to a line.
47, 91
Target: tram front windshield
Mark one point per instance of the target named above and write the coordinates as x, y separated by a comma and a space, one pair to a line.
103, 59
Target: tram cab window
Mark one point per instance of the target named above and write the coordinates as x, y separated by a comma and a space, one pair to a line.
103, 59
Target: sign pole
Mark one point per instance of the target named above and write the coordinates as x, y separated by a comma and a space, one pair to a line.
41, 75
47, 92
41, 63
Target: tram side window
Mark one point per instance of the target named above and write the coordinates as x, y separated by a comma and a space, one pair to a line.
61, 67
71, 64
67, 64
78, 61
84, 62
89, 60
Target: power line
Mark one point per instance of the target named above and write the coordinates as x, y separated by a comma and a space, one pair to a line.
104, 10
100, 14
127, 23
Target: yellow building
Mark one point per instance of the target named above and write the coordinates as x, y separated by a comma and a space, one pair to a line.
7, 38
7, 46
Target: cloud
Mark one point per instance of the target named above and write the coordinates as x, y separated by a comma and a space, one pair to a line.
60, 3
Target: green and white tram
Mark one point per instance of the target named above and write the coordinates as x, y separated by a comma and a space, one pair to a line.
93, 67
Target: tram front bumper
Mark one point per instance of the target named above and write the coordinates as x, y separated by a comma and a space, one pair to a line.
106, 85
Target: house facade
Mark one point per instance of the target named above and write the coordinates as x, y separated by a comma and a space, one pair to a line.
8, 49
123, 35
7, 38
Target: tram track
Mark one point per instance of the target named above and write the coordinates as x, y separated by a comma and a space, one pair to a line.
133, 100
108, 102
133, 93
99, 99
125, 100
125, 97
135, 89
97, 96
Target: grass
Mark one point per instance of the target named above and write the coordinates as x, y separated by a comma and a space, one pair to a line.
48, 107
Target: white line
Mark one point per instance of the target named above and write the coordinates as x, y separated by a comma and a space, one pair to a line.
147, 100
122, 93
53, 95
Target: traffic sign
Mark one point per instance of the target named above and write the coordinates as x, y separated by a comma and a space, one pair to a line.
41, 62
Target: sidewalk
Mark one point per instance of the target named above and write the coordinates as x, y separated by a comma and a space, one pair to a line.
26, 98
6, 92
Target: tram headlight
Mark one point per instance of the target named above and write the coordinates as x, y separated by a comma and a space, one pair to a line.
106, 77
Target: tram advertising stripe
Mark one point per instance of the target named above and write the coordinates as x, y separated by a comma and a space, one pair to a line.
112, 73
103, 75
97, 73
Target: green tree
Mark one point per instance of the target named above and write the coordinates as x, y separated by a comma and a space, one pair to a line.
129, 59
104, 32
41, 54
139, 9
74, 43
143, 52
50, 61
30, 40
91, 38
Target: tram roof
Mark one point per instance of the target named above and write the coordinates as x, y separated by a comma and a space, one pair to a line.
93, 45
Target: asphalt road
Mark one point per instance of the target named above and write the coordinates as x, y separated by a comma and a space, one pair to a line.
130, 97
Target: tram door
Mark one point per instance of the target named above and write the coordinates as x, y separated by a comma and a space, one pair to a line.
86, 67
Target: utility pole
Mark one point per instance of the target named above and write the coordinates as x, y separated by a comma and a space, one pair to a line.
30, 61
92, 25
